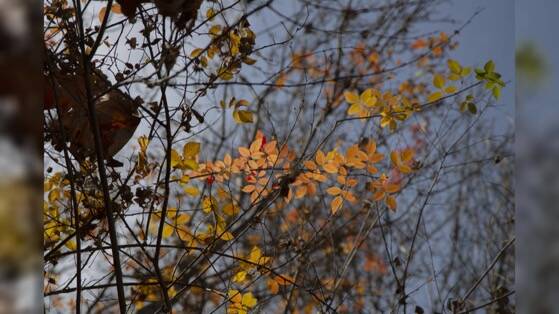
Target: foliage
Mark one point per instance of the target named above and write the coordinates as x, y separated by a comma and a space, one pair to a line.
252, 173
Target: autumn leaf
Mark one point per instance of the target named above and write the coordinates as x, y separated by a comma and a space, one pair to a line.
240, 277
231, 209
209, 204
143, 141
249, 300
438, 81
336, 204
191, 190
283, 280
334, 191
243, 116
435, 96
273, 286
191, 150
256, 256
175, 158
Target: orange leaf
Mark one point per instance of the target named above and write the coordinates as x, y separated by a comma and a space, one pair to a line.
391, 202
283, 280
334, 190
116, 8
249, 188
378, 195
330, 168
273, 286
244, 151
336, 204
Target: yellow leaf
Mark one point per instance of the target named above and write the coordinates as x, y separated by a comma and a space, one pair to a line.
143, 141
71, 245
167, 231
182, 219
209, 204
368, 99
191, 149
190, 164
234, 296
256, 257
435, 96
175, 158
226, 75
210, 13
243, 116
354, 109
215, 30
450, 89
54, 195
454, 66
196, 52
184, 179
171, 212
249, 300
454, 77
240, 277
230, 209
438, 81
227, 236
191, 190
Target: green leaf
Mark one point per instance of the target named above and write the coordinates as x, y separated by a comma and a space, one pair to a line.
489, 66
496, 92
472, 108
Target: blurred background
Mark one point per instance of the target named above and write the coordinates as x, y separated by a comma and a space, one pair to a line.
537, 143
20, 156
537, 147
